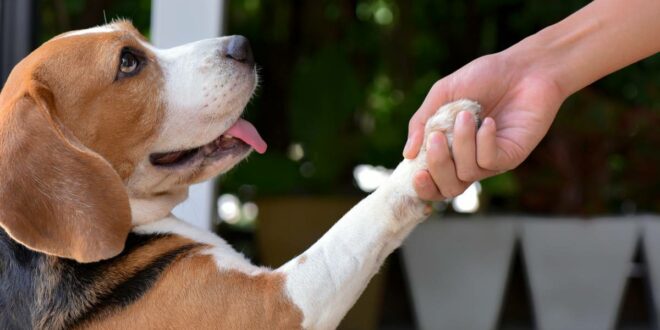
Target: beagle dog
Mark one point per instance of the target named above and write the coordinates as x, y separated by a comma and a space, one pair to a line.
101, 134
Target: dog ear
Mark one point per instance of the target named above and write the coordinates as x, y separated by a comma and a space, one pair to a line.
56, 196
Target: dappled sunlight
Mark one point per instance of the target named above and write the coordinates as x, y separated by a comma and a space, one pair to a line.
369, 178
468, 201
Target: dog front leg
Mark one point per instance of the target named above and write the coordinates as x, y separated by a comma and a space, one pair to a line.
326, 280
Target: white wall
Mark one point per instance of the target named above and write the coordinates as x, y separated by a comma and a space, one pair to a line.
176, 22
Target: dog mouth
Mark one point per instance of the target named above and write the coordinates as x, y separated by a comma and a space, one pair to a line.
239, 138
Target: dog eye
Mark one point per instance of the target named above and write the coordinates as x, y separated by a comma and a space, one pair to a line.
129, 64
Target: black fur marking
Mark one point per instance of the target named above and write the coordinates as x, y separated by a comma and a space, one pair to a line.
134, 287
38, 291
17, 272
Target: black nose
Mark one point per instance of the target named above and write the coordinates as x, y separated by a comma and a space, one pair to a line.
239, 50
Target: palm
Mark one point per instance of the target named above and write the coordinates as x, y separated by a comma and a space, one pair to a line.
523, 108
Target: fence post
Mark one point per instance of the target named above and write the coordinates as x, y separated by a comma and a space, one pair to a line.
176, 22
16, 33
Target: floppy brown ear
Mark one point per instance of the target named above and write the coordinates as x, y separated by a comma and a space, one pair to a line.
56, 196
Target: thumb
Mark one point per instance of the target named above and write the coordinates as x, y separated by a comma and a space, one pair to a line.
436, 97
414, 143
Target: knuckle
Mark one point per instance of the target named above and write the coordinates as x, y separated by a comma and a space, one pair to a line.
467, 175
421, 186
432, 194
488, 163
413, 122
437, 159
420, 191
437, 86
426, 193
453, 191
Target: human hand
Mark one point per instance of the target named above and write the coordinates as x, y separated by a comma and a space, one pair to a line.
518, 105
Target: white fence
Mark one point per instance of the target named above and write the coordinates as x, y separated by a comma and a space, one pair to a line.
576, 269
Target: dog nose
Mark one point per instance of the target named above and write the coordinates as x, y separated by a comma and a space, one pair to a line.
239, 50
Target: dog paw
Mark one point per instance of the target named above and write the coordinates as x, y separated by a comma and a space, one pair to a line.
444, 118
400, 183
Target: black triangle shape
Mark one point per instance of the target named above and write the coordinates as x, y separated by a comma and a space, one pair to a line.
636, 309
516, 311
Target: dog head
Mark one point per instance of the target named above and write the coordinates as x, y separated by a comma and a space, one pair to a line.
100, 130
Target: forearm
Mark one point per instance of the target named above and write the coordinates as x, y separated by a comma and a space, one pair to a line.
601, 38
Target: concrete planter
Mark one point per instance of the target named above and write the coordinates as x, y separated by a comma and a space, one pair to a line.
289, 225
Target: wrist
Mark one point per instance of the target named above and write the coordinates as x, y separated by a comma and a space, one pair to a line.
531, 60
602, 37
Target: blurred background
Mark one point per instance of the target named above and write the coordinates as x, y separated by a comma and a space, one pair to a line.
340, 80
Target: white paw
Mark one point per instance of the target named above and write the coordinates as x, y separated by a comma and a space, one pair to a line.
444, 118
443, 121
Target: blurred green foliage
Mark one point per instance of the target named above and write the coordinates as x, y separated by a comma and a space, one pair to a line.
57, 16
341, 78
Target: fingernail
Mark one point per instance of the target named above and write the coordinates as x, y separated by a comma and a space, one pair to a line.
421, 183
468, 118
461, 118
434, 140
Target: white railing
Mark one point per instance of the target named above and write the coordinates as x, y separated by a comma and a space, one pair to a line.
576, 269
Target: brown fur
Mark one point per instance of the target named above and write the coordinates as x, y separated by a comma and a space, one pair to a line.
85, 132
116, 119
50, 189
193, 294
115, 272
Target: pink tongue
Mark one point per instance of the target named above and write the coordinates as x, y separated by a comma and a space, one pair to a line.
244, 131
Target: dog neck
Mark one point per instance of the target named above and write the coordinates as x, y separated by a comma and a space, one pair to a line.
146, 209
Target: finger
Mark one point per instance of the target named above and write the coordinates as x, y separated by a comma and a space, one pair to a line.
464, 148
487, 151
414, 143
437, 96
425, 188
441, 166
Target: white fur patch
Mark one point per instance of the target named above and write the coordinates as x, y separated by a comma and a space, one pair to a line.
225, 256
205, 92
97, 29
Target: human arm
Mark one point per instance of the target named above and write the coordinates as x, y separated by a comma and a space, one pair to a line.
521, 89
